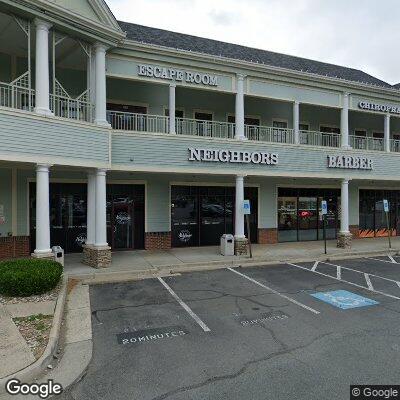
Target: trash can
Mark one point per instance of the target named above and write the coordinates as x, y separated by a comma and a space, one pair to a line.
58, 254
227, 245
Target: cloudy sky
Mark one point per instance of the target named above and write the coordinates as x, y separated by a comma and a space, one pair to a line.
363, 34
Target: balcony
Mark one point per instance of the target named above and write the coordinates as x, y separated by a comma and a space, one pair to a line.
368, 143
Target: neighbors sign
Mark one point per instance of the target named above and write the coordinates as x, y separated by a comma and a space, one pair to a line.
232, 156
177, 75
350, 162
388, 108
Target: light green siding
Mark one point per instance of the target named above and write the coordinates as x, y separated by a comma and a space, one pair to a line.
6, 200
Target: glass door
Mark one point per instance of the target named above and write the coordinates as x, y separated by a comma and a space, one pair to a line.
212, 219
122, 216
308, 218
287, 219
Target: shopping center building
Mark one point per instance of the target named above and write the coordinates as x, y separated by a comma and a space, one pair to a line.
93, 159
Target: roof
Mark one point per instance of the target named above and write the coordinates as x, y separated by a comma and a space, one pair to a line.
181, 41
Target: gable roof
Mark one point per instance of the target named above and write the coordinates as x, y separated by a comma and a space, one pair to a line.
180, 41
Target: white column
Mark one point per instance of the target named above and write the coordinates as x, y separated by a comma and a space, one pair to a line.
387, 132
171, 107
296, 121
42, 210
42, 93
100, 86
344, 203
101, 222
91, 209
344, 122
239, 215
239, 108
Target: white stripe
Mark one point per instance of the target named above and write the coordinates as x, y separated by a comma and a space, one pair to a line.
185, 306
392, 259
368, 280
275, 292
377, 259
338, 272
342, 280
314, 267
398, 284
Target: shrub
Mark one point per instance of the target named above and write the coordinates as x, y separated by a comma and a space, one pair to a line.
27, 277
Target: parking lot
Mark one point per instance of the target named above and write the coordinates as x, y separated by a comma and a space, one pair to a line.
303, 331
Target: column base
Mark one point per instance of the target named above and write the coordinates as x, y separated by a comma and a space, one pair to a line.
43, 111
44, 256
344, 240
96, 257
241, 246
102, 122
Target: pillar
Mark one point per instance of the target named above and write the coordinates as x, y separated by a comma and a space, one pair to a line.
42, 92
42, 249
101, 222
172, 107
344, 122
100, 85
344, 235
239, 108
296, 122
240, 238
91, 209
387, 132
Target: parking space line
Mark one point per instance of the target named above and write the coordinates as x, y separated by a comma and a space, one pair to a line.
314, 267
342, 280
185, 306
274, 291
338, 272
368, 280
393, 261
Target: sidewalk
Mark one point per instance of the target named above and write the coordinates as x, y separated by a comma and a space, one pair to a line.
128, 264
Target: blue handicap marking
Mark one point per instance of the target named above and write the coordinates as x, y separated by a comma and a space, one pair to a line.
344, 299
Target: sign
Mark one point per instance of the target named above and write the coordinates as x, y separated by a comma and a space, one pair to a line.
151, 335
324, 207
385, 206
344, 299
350, 162
387, 108
233, 156
177, 75
246, 207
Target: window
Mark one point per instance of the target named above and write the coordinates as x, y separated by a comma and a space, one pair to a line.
329, 129
360, 132
120, 117
127, 108
280, 134
203, 124
304, 127
247, 120
360, 139
377, 141
178, 113
328, 136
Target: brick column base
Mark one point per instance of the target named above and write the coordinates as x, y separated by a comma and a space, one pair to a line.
241, 246
157, 240
267, 235
354, 230
344, 240
97, 257
14, 247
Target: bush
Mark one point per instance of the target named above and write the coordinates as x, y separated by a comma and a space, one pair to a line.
29, 276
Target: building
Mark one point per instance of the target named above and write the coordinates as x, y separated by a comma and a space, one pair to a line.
91, 158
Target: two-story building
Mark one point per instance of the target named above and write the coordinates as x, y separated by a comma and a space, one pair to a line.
118, 136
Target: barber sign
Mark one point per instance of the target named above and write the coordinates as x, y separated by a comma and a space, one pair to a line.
246, 207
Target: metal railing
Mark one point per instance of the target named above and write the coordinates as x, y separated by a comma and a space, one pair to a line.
66, 107
366, 143
269, 134
16, 97
324, 139
125, 121
197, 127
395, 145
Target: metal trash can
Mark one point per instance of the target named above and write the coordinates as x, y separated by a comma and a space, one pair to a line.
227, 245
58, 254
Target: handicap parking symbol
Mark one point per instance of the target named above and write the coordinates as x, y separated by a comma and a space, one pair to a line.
344, 299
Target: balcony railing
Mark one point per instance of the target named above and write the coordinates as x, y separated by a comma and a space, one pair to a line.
196, 127
269, 134
325, 139
124, 121
395, 145
16, 97
66, 107
366, 143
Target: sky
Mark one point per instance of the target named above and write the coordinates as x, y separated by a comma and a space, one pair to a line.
362, 34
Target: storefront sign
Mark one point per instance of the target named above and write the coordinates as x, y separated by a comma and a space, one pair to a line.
350, 162
366, 105
233, 156
172, 74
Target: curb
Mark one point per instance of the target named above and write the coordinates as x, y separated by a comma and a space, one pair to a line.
33, 370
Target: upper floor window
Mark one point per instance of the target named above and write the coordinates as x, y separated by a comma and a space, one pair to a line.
247, 120
329, 129
129, 108
304, 127
360, 132
178, 113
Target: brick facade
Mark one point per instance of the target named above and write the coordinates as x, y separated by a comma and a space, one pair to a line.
14, 247
157, 240
354, 231
267, 235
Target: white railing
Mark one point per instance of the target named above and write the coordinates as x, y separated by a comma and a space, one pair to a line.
125, 121
269, 134
395, 145
66, 107
366, 143
314, 138
16, 97
197, 127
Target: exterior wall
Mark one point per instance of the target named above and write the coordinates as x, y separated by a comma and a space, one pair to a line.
6, 201
14, 247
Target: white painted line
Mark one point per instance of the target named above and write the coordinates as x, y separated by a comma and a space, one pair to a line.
274, 291
360, 272
185, 306
398, 284
385, 261
339, 272
314, 267
392, 259
368, 280
342, 280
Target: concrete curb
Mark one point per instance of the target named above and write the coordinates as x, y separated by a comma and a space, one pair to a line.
168, 270
33, 370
